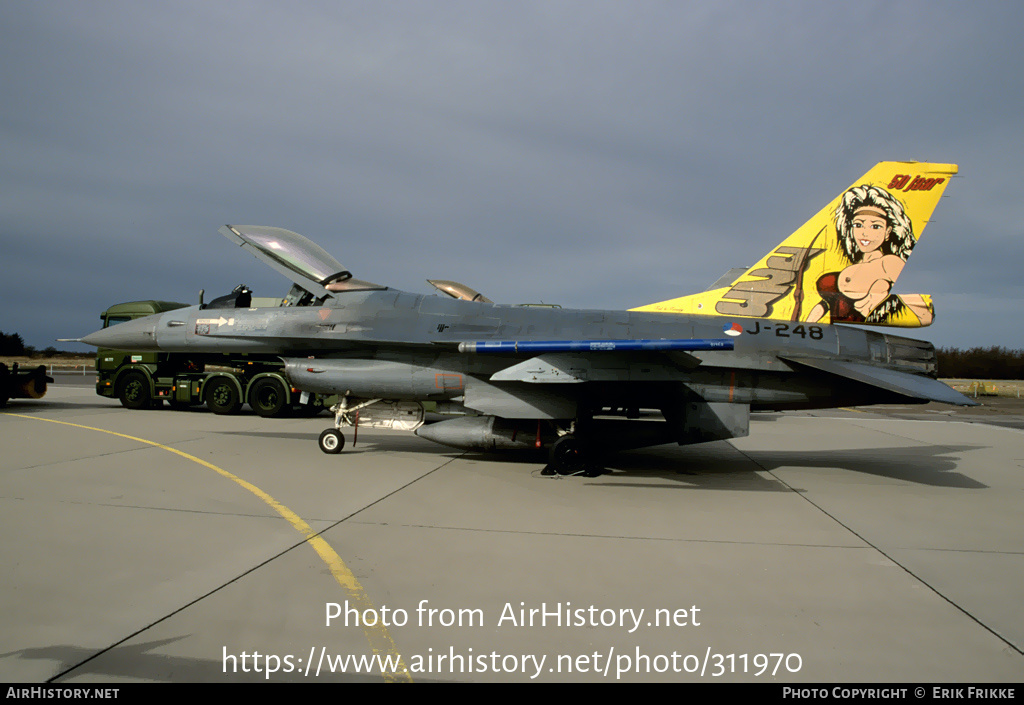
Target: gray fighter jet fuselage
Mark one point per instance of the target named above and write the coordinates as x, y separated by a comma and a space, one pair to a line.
571, 381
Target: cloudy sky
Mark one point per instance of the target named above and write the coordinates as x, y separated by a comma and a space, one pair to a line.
592, 154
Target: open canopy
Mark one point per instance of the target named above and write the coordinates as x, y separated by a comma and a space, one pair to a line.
296, 257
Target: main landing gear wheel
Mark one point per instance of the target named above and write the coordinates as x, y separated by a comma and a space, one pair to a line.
567, 456
331, 441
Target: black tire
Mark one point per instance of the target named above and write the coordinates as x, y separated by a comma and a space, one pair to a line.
268, 397
331, 441
567, 455
133, 391
221, 396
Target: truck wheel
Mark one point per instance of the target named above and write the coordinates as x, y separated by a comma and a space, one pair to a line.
331, 441
133, 391
268, 397
221, 396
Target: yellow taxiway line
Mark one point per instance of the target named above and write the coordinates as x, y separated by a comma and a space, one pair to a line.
378, 636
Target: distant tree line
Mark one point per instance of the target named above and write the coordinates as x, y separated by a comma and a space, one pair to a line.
13, 345
981, 363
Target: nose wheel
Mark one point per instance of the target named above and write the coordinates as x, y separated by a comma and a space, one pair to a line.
332, 441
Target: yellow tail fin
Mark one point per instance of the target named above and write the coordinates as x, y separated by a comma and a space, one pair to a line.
841, 265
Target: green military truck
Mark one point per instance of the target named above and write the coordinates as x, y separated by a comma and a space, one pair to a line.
143, 380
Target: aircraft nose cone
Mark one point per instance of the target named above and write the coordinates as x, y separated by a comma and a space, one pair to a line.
130, 335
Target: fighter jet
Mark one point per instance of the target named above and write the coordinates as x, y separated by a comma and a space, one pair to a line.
577, 384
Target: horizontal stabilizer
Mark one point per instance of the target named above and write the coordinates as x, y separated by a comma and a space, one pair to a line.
545, 346
905, 383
